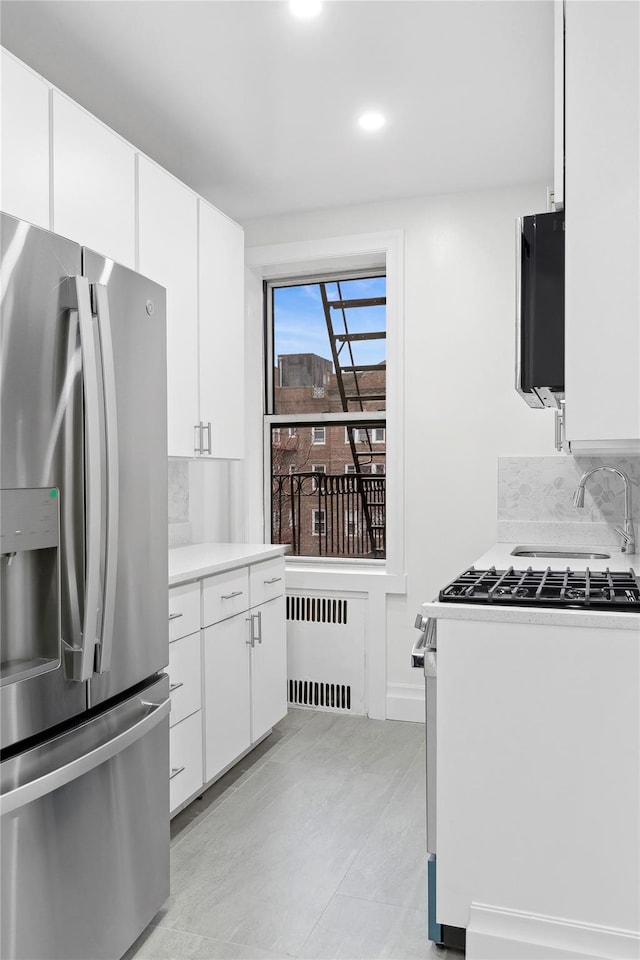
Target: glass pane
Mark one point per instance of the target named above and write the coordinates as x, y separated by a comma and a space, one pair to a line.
329, 500
330, 346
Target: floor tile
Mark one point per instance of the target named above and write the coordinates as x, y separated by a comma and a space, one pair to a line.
352, 929
391, 867
160, 943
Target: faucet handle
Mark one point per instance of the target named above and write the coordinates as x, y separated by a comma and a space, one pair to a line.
625, 536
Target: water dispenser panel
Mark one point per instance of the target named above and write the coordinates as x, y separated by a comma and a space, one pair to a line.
28, 519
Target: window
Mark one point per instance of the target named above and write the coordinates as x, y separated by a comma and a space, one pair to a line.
317, 468
326, 359
318, 525
377, 468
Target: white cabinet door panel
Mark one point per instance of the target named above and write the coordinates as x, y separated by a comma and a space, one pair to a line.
227, 693
184, 610
24, 184
268, 668
94, 183
602, 129
185, 677
221, 298
185, 752
168, 252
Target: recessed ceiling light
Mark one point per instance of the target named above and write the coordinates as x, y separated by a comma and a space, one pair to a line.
305, 9
372, 120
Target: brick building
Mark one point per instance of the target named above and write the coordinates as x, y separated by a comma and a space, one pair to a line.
325, 517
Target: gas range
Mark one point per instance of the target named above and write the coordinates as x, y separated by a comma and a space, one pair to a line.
597, 590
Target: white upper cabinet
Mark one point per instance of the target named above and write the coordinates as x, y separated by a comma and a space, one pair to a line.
168, 254
24, 122
602, 202
221, 301
558, 103
94, 183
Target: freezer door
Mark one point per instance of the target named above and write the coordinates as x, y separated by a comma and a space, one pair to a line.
130, 315
41, 479
84, 834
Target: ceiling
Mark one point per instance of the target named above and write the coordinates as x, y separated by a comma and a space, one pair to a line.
256, 110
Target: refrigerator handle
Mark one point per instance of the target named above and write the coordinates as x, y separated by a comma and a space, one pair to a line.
109, 522
152, 715
83, 664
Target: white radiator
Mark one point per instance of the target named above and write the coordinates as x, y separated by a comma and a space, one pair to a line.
326, 651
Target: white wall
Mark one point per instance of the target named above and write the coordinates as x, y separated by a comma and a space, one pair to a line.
462, 411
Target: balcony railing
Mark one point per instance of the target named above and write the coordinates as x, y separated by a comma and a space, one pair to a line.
330, 515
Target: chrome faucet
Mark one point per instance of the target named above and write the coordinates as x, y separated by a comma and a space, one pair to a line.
626, 531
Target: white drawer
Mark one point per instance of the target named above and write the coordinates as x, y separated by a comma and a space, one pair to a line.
185, 753
224, 595
266, 580
184, 674
184, 610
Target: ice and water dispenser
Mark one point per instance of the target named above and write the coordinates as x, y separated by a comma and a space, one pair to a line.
30, 633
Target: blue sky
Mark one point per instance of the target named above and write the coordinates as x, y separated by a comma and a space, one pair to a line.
300, 327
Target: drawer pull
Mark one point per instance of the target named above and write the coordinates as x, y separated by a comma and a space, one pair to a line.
175, 771
174, 616
175, 686
273, 580
229, 596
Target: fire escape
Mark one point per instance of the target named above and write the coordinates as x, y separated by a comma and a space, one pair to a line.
354, 395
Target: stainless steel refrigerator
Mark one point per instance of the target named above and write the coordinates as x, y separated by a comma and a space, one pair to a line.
84, 705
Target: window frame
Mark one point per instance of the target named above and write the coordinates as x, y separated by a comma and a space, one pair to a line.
299, 261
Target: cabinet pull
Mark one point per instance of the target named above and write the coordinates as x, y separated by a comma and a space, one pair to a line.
229, 596
273, 580
175, 771
208, 429
196, 448
259, 616
174, 616
251, 641
175, 686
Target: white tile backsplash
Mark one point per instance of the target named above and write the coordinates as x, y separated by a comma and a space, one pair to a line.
535, 499
179, 525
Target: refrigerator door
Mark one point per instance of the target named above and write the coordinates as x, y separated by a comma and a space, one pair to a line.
130, 314
85, 834
41, 479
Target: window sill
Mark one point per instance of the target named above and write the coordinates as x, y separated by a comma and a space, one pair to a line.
362, 575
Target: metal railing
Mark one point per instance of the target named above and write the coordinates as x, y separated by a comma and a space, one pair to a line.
330, 515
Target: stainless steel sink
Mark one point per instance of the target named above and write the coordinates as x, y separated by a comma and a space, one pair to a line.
555, 552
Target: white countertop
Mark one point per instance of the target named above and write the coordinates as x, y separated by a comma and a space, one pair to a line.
500, 556
203, 559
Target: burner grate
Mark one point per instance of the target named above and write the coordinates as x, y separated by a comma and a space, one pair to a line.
602, 589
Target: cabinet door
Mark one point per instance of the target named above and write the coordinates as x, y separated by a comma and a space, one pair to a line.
94, 183
227, 699
221, 289
25, 143
268, 666
185, 753
602, 129
168, 250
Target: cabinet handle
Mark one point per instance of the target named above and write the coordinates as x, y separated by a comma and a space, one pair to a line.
175, 771
229, 596
208, 429
273, 580
253, 634
198, 427
175, 686
174, 616
251, 641
259, 616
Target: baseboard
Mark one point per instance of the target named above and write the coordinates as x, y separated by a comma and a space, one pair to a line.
498, 934
405, 701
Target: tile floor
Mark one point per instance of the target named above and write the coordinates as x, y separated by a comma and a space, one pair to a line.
313, 846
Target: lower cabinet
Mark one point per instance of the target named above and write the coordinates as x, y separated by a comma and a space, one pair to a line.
268, 667
226, 692
227, 670
185, 753
245, 671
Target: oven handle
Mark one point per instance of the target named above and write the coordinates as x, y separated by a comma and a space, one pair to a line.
430, 684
